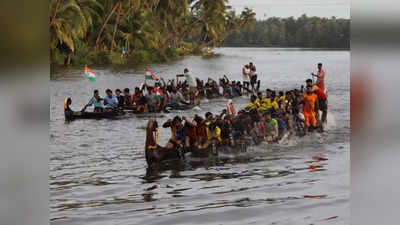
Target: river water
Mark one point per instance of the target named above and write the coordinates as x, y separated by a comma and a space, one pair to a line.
97, 169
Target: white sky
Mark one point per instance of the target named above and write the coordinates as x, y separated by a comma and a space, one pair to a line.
295, 8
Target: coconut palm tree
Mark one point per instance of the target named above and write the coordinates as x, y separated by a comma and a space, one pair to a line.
70, 20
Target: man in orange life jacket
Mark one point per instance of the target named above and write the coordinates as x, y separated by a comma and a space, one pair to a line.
310, 102
322, 100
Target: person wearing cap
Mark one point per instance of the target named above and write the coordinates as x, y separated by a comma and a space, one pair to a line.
320, 77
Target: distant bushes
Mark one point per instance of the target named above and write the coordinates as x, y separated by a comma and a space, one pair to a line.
83, 55
289, 32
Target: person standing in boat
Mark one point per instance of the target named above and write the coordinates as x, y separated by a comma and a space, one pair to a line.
322, 100
246, 76
310, 102
191, 84
96, 101
110, 101
253, 75
320, 77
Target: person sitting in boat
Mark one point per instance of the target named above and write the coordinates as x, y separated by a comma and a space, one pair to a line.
298, 120
201, 129
226, 131
226, 88
120, 98
214, 132
153, 103
288, 120
200, 87
274, 102
175, 99
234, 91
110, 101
254, 104
266, 102
177, 135
271, 128
190, 128
238, 127
96, 101
127, 97
282, 125
257, 130
138, 100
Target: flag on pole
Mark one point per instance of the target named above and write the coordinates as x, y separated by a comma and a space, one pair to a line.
150, 76
89, 75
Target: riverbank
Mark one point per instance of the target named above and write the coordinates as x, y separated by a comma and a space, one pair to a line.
84, 56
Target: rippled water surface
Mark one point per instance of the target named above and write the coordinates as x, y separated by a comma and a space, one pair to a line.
98, 170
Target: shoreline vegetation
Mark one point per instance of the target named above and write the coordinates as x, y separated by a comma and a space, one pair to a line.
140, 32
118, 32
303, 32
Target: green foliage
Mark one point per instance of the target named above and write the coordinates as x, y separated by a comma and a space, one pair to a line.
95, 31
289, 32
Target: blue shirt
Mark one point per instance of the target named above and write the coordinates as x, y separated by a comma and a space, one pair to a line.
110, 101
97, 104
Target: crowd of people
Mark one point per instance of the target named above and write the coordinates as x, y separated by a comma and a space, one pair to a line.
162, 95
267, 118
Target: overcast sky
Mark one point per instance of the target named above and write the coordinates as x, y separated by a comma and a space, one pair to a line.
295, 8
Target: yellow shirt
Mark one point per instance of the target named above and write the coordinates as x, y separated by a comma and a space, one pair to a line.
211, 134
275, 105
265, 104
254, 105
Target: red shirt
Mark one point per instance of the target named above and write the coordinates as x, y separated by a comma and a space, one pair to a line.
136, 99
320, 93
202, 131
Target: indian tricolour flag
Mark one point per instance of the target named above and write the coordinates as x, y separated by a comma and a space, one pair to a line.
150, 76
89, 75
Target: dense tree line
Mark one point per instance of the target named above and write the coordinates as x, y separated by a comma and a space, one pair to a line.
96, 31
289, 32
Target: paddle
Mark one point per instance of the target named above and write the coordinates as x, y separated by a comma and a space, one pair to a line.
84, 108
